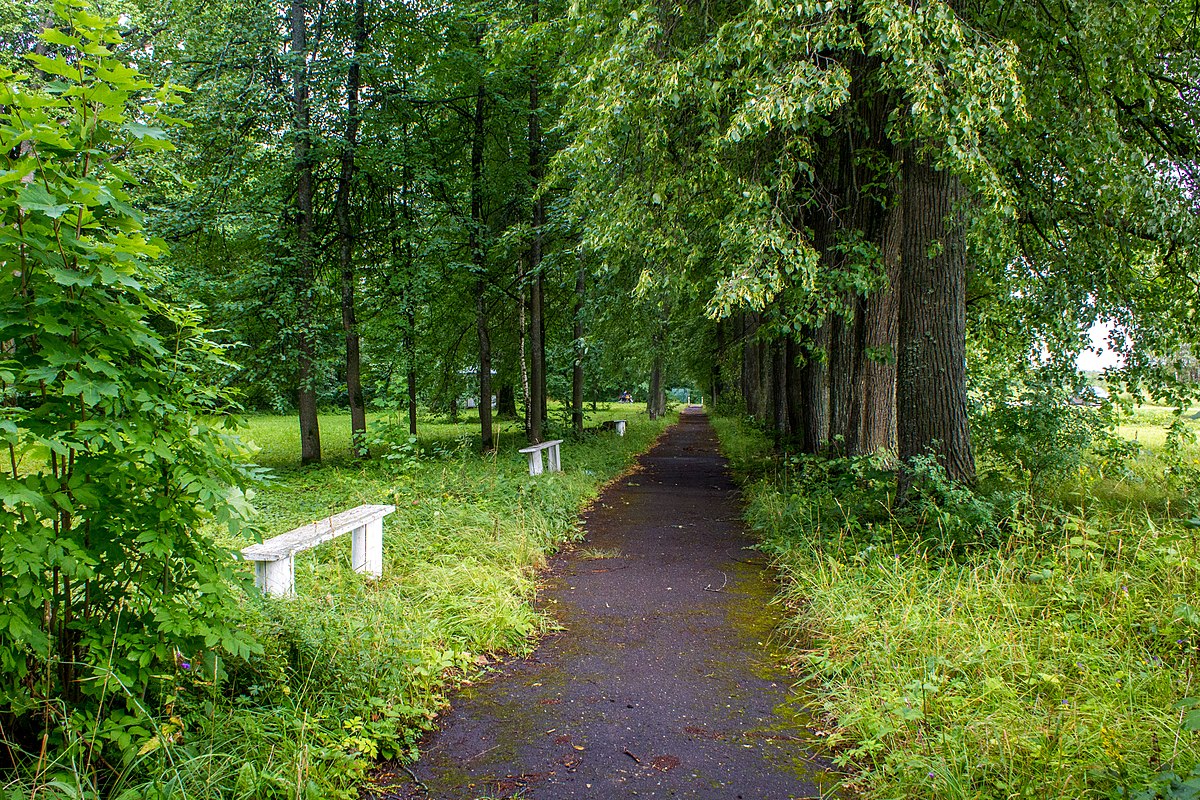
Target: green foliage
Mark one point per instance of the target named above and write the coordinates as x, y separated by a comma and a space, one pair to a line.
1054, 662
353, 670
113, 466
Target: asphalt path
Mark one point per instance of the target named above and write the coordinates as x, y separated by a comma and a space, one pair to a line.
663, 681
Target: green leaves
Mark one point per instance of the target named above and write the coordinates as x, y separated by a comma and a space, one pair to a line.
110, 472
34, 197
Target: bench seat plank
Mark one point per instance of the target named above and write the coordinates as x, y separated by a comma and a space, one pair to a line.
305, 537
542, 446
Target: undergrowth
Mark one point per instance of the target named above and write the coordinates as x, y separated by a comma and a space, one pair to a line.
352, 670
1004, 643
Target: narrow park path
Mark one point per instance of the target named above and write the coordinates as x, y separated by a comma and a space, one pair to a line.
662, 682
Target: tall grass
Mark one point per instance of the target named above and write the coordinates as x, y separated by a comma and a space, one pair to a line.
1060, 662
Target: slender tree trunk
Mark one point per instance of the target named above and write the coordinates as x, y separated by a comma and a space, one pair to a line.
523, 337
345, 187
766, 384
537, 326
751, 385
479, 257
795, 393
577, 371
931, 397
779, 391
410, 354
716, 389
310, 432
410, 280
815, 384
655, 401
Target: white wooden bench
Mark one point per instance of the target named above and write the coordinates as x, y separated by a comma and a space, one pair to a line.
534, 451
619, 426
275, 559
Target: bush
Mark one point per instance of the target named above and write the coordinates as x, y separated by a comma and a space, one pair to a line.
107, 585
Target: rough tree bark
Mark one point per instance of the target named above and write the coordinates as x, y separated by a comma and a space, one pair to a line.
931, 396
814, 382
345, 187
877, 385
306, 394
844, 353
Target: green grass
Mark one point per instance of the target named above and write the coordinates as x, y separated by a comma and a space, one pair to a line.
352, 669
1056, 663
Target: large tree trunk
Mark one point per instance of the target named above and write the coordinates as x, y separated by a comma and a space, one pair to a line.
479, 259
345, 186
877, 383
577, 371
815, 388
306, 394
931, 397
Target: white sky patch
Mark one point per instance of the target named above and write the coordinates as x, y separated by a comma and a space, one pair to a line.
1099, 356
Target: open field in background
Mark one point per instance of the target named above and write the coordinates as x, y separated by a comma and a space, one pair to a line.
1057, 657
354, 670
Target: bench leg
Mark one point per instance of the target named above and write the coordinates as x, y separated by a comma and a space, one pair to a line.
620, 427
366, 548
276, 578
552, 456
535, 462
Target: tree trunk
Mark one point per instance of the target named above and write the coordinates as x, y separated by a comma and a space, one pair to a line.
931, 397
656, 401
537, 326
795, 393
522, 339
751, 386
844, 347
815, 385
345, 186
310, 432
779, 391
506, 401
577, 371
410, 353
877, 383
479, 259
716, 390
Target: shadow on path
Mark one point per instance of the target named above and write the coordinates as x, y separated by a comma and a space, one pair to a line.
662, 682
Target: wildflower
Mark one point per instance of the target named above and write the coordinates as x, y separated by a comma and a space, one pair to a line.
185, 664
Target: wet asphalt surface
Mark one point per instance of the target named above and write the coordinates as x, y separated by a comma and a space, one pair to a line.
663, 681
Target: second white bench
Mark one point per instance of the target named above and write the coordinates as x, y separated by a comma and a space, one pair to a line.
534, 451
275, 559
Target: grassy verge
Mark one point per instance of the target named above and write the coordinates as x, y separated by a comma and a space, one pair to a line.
1058, 660
354, 670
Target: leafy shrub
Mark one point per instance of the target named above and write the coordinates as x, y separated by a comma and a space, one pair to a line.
107, 584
